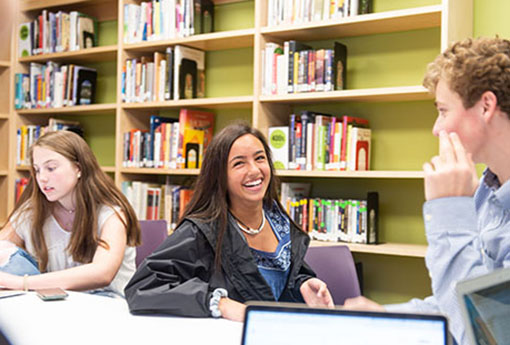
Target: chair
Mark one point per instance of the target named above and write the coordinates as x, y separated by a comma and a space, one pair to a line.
335, 266
154, 232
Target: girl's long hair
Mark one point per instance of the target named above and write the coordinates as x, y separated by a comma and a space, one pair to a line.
210, 202
93, 190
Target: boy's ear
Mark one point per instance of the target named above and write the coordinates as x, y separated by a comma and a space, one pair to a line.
489, 103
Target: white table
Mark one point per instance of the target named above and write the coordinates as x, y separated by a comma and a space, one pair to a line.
90, 319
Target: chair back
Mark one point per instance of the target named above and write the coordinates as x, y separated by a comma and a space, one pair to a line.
335, 266
154, 232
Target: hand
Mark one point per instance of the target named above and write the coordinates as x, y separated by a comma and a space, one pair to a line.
452, 173
362, 303
11, 281
316, 293
231, 310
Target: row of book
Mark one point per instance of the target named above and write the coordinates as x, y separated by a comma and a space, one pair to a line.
166, 19
19, 187
170, 143
57, 32
179, 73
336, 220
26, 135
52, 85
317, 141
296, 67
152, 201
287, 12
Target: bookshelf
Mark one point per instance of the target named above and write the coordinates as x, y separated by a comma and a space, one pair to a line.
388, 51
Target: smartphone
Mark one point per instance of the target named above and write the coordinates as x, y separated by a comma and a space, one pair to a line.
52, 294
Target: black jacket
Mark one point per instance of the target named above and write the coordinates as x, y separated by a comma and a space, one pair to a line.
179, 277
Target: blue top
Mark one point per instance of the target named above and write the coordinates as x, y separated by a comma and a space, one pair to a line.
468, 237
275, 266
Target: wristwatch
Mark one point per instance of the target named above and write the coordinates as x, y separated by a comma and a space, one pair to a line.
214, 302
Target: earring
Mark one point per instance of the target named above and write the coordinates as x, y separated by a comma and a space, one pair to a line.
79, 174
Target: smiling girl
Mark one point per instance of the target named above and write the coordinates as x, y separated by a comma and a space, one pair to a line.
77, 228
235, 242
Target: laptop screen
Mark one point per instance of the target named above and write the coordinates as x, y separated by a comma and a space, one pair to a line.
266, 325
488, 310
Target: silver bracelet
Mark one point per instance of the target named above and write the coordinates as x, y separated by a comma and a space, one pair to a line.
215, 301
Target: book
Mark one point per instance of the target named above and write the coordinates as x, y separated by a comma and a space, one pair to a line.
25, 40
203, 17
189, 73
279, 143
349, 122
194, 120
294, 190
86, 31
85, 85
293, 48
156, 122
192, 143
340, 66
359, 157
372, 218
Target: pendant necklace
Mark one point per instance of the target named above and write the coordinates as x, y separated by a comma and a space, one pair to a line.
249, 230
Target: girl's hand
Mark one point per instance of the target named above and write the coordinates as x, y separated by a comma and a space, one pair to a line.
316, 293
362, 303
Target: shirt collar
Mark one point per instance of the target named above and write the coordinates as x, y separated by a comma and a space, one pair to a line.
501, 192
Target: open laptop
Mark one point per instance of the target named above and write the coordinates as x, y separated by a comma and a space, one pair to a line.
273, 323
485, 305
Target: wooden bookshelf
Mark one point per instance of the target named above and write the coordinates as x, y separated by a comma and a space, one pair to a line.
208, 103
93, 109
370, 174
394, 249
453, 18
385, 94
209, 42
150, 171
367, 24
95, 54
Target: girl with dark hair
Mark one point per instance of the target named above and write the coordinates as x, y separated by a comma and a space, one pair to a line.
234, 243
78, 229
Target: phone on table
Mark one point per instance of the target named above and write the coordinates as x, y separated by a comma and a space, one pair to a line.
51, 294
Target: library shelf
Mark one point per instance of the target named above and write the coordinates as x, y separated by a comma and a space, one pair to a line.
5, 63
108, 169
382, 94
222, 2
233, 39
154, 171
103, 10
366, 24
32, 5
95, 54
3, 173
4, 116
22, 168
237, 102
393, 249
92, 109
372, 174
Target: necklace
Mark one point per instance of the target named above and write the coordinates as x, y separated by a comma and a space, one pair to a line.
249, 230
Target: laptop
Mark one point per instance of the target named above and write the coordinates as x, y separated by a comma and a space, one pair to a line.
485, 306
277, 323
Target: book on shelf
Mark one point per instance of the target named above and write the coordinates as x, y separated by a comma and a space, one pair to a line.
340, 66
58, 32
84, 85
192, 121
279, 143
20, 186
203, 17
189, 73
338, 220
349, 122
286, 12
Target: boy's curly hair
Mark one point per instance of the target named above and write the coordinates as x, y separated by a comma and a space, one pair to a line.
471, 67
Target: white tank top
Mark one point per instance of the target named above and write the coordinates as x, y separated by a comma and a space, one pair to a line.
57, 240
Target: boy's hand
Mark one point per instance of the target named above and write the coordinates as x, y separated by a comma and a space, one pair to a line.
452, 173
